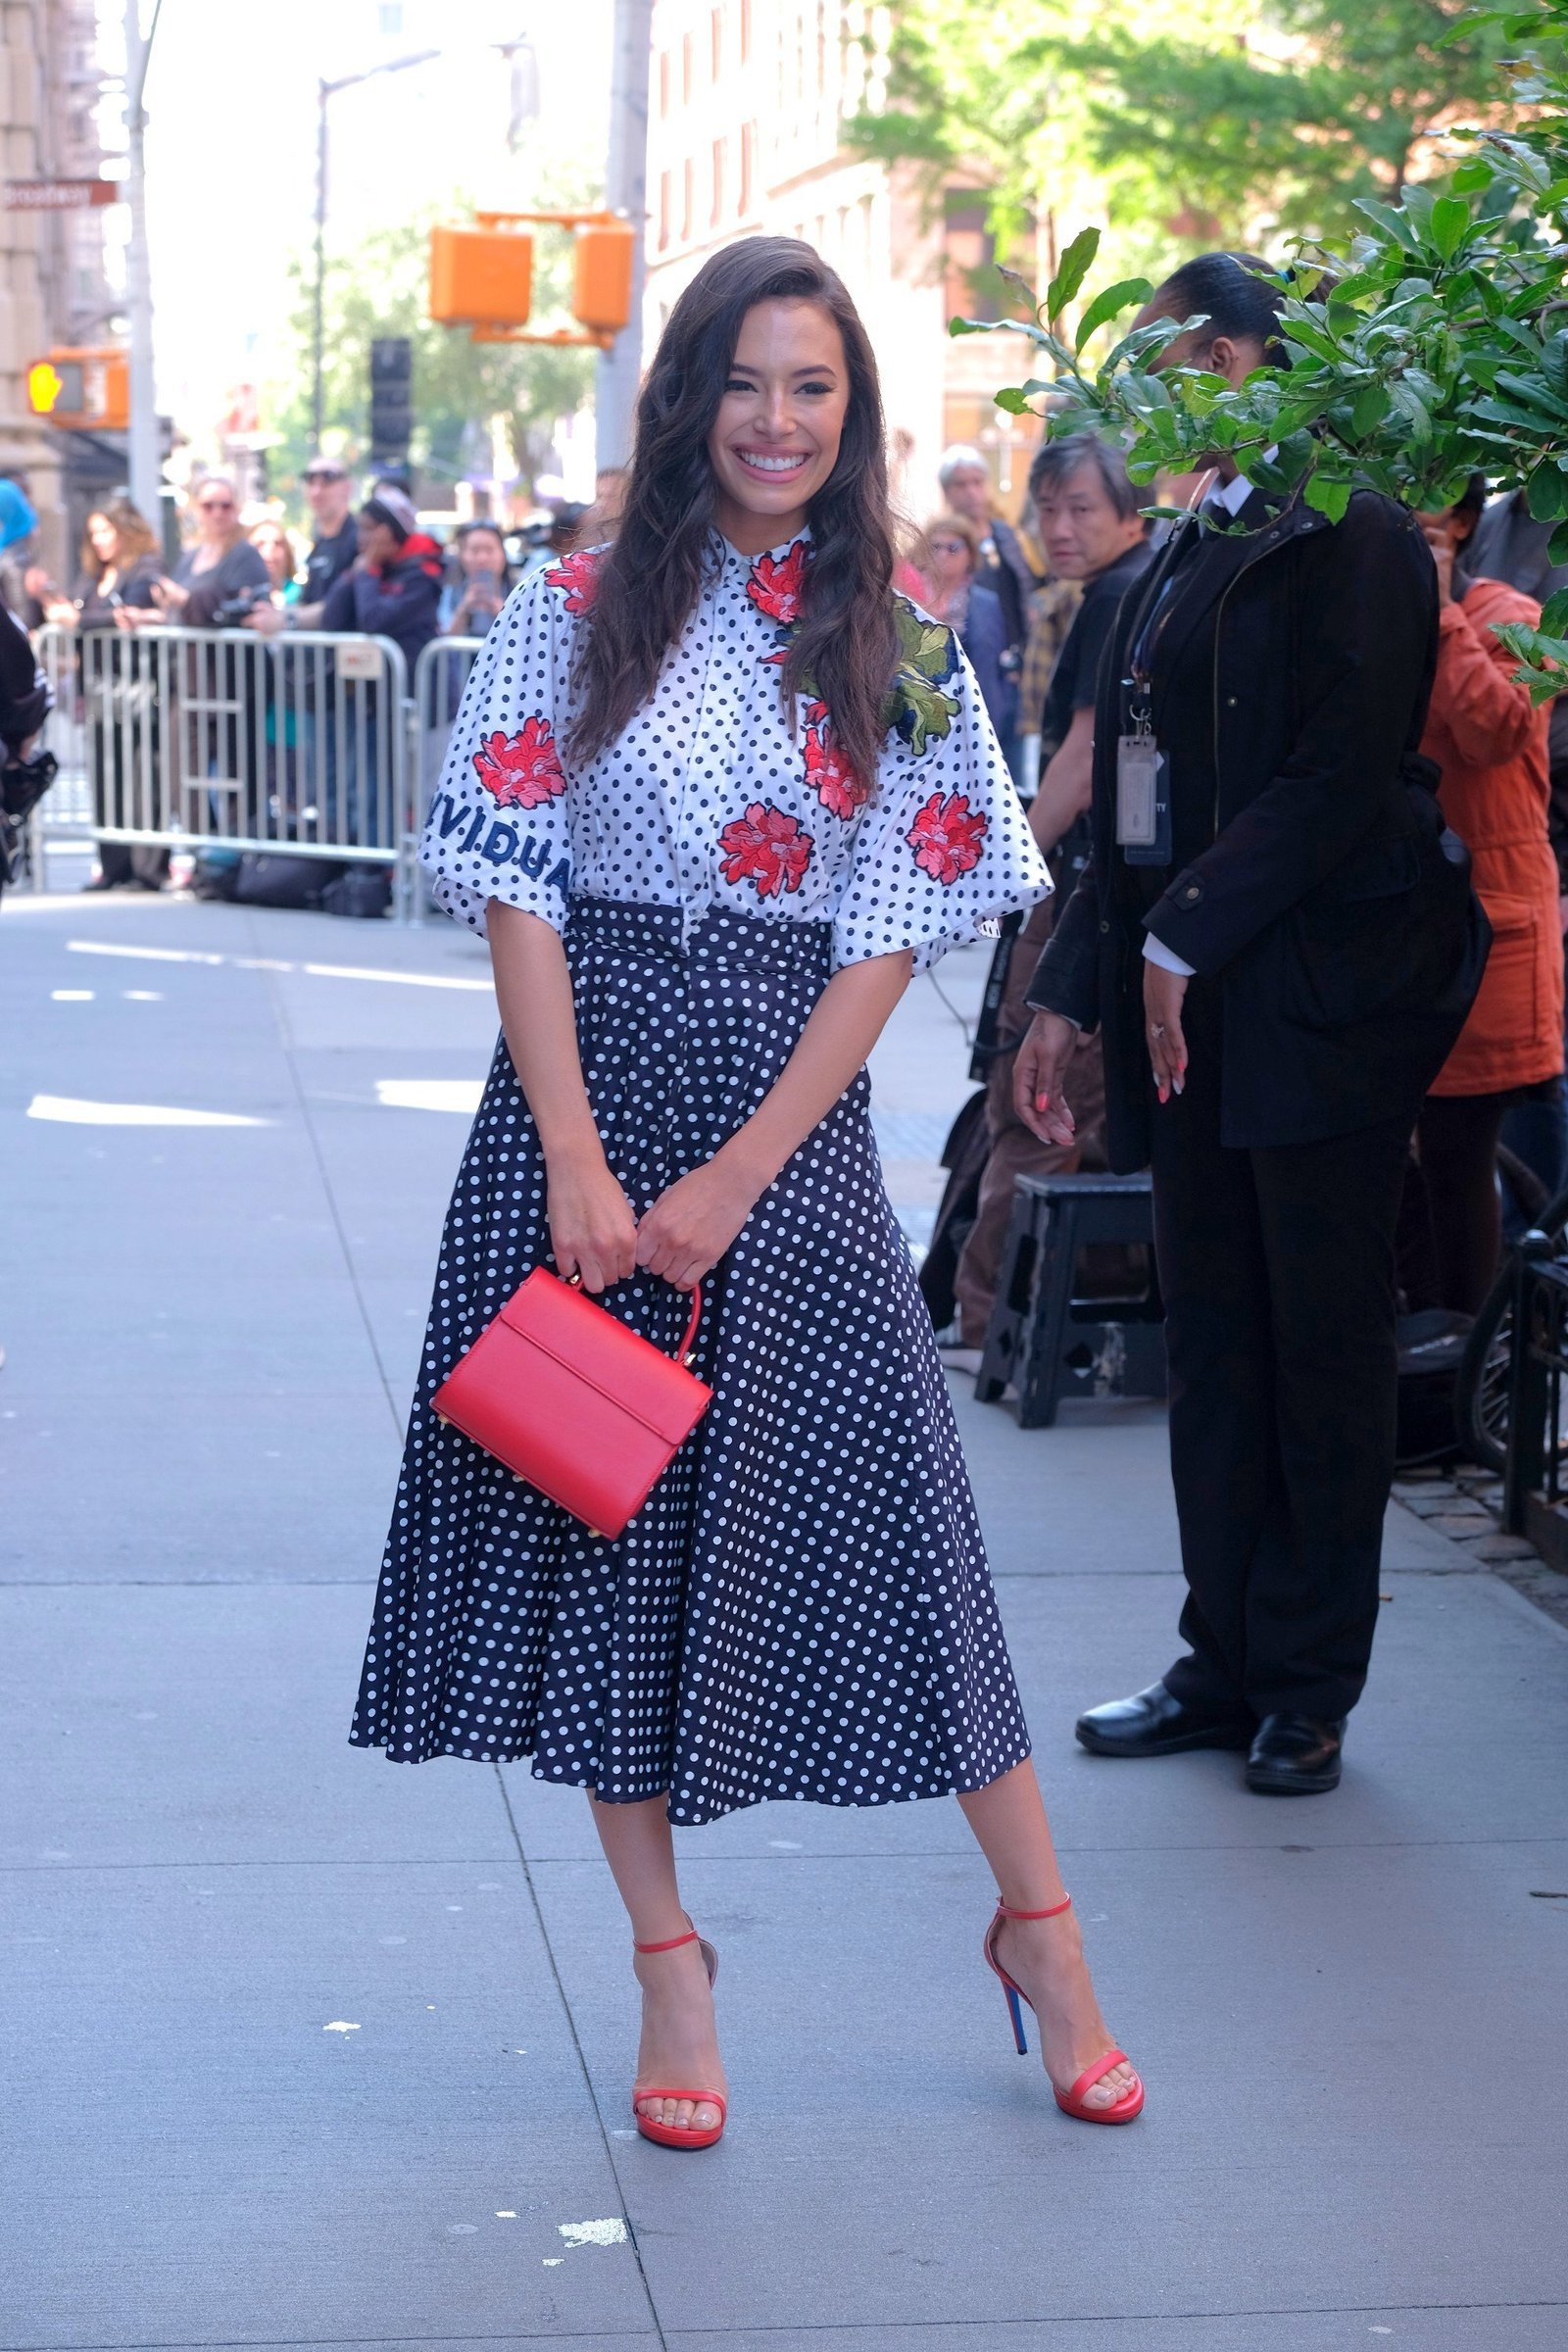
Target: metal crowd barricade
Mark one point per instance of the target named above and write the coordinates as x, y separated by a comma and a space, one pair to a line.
1536, 1478
222, 739
440, 675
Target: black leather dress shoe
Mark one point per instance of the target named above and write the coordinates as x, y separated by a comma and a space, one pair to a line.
1151, 1723
1294, 1755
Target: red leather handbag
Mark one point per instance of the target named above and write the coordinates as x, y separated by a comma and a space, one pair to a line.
568, 1397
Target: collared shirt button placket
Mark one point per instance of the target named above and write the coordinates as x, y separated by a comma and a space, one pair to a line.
693, 854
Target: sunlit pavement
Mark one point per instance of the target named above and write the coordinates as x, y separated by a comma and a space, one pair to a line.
307, 2050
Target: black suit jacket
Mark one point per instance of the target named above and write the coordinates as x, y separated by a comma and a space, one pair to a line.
1330, 905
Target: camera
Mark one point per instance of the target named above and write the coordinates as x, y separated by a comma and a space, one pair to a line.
237, 610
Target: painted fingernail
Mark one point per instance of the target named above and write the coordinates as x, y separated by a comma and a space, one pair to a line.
1042, 1101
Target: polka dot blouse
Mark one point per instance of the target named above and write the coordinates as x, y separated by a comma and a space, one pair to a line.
717, 797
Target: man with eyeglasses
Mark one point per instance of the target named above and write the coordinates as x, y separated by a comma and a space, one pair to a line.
330, 495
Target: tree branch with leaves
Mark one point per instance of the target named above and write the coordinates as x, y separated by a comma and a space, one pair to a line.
1430, 345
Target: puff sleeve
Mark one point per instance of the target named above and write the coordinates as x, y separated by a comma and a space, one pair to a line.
498, 823
943, 849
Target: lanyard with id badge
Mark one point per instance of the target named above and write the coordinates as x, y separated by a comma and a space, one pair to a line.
1143, 770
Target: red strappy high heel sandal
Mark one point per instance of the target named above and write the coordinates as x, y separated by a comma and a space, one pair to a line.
680, 2136
1071, 2102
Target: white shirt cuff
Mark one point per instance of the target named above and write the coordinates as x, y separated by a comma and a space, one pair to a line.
1156, 951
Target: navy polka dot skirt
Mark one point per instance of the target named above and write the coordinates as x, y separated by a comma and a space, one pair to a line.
802, 1608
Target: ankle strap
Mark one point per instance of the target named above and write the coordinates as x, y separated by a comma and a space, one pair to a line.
1006, 1911
674, 1946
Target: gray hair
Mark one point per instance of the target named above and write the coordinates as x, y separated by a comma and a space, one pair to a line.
1056, 462
958, 454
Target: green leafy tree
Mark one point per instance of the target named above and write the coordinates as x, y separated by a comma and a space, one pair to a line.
1430, 345
381, 288
1196, 125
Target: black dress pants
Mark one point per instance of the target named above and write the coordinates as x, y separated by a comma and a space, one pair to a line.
1277, 1271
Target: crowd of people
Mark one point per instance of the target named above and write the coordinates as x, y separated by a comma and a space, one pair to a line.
368, 567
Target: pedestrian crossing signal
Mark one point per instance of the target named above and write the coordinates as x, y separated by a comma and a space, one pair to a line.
82, 391
48, 387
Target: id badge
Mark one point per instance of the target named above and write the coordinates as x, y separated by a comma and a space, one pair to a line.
1143, 801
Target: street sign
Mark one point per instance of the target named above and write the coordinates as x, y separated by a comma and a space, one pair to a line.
61, 195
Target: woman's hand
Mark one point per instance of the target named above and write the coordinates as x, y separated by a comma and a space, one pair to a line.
1164, 994
1037, 1071
693, 1222
168, 595
592, 1230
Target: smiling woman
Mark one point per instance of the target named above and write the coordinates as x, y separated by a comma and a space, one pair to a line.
712, 793
761, 407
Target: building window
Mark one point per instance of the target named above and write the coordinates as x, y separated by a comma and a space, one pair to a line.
688, 68
719, 160
664, 209
746, 32
748, 166
686, 198
663, 83
716, 36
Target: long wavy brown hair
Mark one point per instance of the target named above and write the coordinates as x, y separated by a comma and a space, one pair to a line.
137, 537
844, 647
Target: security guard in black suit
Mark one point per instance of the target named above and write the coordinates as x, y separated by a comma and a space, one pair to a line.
1279, 942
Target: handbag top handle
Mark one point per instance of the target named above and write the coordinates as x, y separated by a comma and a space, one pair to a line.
683, 1354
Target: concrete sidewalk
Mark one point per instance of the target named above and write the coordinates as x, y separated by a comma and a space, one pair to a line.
308, 2050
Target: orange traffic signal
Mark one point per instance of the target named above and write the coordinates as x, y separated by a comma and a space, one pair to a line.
480, 276
602, 284
82, 391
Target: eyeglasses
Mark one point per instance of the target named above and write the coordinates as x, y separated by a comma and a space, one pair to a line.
215, 505
948, 546
325, 473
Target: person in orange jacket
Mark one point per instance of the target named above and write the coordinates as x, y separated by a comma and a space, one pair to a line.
1491, 745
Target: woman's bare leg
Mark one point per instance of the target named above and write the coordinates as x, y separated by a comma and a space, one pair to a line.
1045, 1955
679, 2040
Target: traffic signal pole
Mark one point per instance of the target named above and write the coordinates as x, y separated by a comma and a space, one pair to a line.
142, 432
619, 368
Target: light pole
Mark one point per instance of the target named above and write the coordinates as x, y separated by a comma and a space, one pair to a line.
141, 436
625, 191
325, 90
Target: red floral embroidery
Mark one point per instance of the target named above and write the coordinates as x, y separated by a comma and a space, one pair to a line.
946, 838
522, 770
578, 574
767, 849
834, 781
775, 588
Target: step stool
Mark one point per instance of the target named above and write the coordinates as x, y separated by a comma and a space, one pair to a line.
1043, 1338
